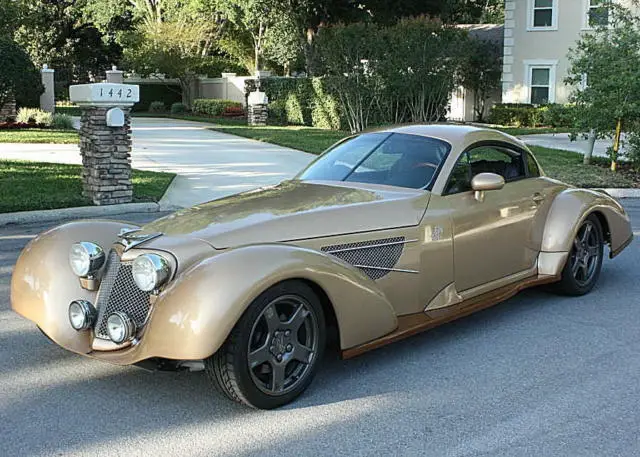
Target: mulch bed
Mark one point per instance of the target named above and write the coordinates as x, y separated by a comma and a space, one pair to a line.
21, 125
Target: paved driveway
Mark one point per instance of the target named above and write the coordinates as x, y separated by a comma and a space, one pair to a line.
209, 164
538, 375
562, 141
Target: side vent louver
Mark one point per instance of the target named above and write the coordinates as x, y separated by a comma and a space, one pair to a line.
376, 258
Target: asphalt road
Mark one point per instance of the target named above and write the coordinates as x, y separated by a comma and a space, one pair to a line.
538, 375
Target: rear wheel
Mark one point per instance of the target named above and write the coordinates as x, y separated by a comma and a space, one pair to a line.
272, 354
582, 269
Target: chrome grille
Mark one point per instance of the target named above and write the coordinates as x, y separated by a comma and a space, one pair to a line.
376, 258
118, 292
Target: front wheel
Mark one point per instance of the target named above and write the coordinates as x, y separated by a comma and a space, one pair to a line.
272, 354
582, 269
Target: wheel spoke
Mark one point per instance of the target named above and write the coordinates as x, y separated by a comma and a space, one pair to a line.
272, 318
297, 319
594, 251
259, 356
302, 353
576, 244
277, 376
587, 233
585, 271
575, 267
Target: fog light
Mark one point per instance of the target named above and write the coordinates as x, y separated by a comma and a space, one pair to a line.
120, 327
82, 315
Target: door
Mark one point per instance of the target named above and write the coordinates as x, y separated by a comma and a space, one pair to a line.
497, 237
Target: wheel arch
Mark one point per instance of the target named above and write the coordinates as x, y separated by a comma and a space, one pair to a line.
331, 320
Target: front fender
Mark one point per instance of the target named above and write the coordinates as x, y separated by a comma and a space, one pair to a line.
568, 211
43, 285
194, 315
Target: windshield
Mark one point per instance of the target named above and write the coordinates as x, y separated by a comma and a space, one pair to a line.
393, 159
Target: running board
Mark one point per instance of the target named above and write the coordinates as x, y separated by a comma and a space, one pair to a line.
412, 324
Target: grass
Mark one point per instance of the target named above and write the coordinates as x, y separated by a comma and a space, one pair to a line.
39, 136
27, 186
518, 131
565, 166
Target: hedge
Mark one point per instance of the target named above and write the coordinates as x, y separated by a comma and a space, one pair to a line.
300, 101
168, 94
526, 115
214, 106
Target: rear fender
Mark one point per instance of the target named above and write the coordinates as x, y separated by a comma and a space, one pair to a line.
569, 209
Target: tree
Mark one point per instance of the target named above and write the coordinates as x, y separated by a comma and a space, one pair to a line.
171, 48
605, 73
19, 78
481, 72
54, 32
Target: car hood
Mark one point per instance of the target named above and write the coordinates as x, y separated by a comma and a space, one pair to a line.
295, 210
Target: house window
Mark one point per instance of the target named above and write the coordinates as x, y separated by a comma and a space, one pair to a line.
540, 86
597, 13
542, 13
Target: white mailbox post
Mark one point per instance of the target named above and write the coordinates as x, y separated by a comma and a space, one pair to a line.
258, 108
105, 140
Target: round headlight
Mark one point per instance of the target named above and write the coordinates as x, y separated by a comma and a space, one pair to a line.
150, 271
86, 258
82, 315
120, 327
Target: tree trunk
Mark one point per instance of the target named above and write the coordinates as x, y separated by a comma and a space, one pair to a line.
588, 153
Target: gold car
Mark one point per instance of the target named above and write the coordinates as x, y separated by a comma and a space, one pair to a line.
385, 235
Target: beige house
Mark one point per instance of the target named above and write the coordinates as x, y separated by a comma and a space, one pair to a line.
537, 37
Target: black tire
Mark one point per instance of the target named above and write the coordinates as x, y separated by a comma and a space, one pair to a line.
262, 334
584, 263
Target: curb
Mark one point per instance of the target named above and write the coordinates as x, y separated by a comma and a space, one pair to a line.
49, 215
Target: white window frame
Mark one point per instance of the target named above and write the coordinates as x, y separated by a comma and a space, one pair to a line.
550, 65
530, 17
586, 8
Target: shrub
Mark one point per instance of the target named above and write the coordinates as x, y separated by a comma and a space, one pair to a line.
557, 115
157, 107
62, 122
19, 78
633, 149
516, 115
178, 108
213, 106
277, 113
305, 101
34, 116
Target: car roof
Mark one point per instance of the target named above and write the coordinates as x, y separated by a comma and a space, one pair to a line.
460, 136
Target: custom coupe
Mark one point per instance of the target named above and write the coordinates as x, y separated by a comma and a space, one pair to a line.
385, 235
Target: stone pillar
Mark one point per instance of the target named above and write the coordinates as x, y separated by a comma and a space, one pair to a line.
8, 111
258, 109
48, 98
105, 140
115, 76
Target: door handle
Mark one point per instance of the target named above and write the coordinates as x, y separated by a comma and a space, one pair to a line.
537, 198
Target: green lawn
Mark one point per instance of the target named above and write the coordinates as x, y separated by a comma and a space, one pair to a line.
566, 166
26, 186
39, 136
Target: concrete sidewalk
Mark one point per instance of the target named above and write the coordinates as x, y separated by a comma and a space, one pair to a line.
209, 164
562, 141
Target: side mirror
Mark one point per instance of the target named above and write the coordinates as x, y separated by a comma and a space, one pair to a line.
483, 182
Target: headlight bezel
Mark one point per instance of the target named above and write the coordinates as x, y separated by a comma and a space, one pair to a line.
129, 328
94, 258
88, 312
156, 268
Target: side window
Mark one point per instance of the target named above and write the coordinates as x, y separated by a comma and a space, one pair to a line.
460, 177
534, 170
492, 159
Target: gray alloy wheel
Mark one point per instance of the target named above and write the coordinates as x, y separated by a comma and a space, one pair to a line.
273, 352
282, 344
582, 269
